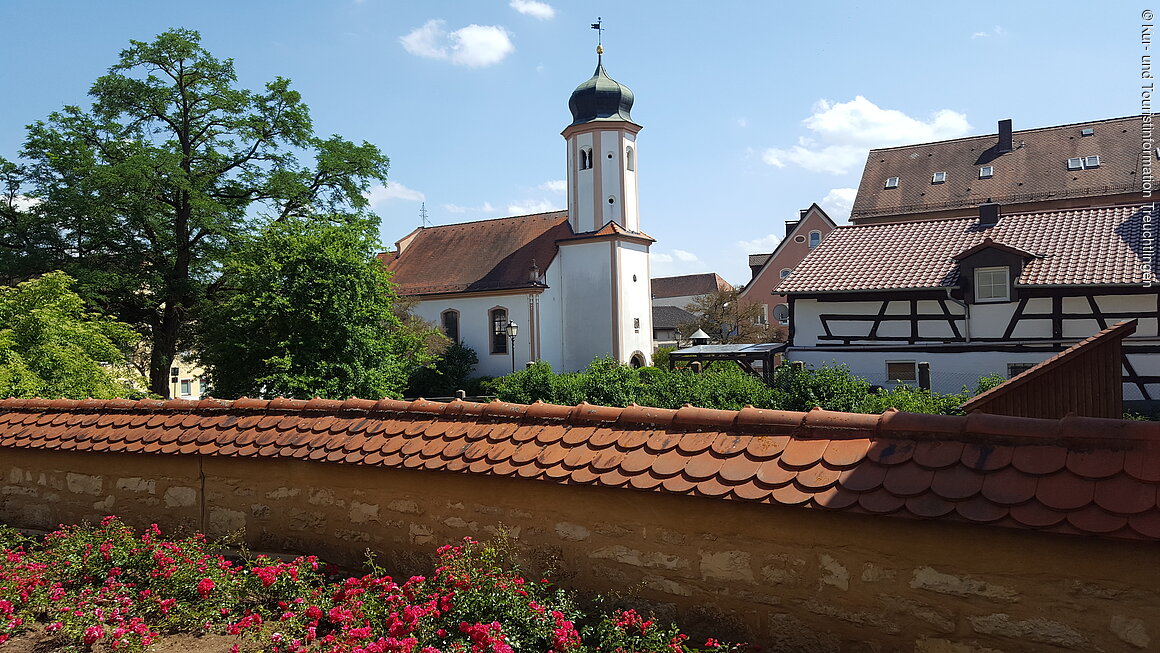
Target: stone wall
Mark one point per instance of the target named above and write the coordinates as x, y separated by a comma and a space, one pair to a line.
792, 579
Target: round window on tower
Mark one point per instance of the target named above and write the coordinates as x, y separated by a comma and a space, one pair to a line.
611, 200
610, 155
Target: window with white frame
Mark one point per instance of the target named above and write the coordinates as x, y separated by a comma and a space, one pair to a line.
763, 316
901, 372
891, 182
785, 272
992, 284
815, 239
986, 172
499, 339
938, 177
186, 387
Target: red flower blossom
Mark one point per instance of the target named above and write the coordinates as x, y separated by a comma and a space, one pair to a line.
204, 587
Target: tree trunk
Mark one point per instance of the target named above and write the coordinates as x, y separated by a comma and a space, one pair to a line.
164, 352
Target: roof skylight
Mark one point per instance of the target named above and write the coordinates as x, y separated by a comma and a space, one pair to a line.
891, 182
986, 172
938, 177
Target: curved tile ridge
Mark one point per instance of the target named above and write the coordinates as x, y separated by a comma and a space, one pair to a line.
1088, 476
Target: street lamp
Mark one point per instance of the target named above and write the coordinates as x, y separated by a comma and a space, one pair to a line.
511, 329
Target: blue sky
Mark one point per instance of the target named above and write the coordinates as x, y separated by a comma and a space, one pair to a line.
751, 110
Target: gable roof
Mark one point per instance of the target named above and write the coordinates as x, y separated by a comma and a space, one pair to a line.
1079, 247
1050, 386
1036, 169
765, 261
689, 284
671, 317
476, 256
1076, 475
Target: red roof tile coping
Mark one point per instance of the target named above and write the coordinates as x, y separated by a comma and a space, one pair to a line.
1074, 475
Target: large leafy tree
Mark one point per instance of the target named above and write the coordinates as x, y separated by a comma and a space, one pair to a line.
308, 313
51, 346
727, 319
142, 195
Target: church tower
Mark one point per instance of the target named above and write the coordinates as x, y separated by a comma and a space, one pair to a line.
606, 290
602, 154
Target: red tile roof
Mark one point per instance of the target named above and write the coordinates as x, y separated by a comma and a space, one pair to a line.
1039, 387
688, 284
477, 256
1089, 247
1035, 170
1076, 475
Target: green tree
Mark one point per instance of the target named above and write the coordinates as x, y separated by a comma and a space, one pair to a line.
308, 313
143, 195
52, 347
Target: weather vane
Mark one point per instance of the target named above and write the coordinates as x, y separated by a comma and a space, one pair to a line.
598, 26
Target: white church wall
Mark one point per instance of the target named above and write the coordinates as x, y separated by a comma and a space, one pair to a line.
631, 205
581, 190
475, 327
551, 317
635, 328
587, 303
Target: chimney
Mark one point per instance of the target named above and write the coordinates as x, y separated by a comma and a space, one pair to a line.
988, 214
1004, 136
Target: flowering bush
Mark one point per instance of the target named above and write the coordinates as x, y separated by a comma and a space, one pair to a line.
108, 585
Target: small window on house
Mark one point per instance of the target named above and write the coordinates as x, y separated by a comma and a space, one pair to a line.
1075, 163
781, 314
1015, 369
992, 284
629, 159
499, 339
450, 321
901, 372
785, 272
1090, 162
585, 158
763, 317
815, 239
1088, 131
636, 323
186, 387
891, 182
986, 172
938, 177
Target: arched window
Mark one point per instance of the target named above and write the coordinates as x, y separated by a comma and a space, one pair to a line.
498, 318
450, 320
585, 158
629, 159
815, 239
781, 313
785, 272
637, 360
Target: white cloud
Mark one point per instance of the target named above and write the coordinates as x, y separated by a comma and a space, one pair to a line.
455, 208
474, 46
554, 186
995, 31
843, 132
379, 193
24, 202
838, 202
540, 10
677, 261
763, 245
528, 207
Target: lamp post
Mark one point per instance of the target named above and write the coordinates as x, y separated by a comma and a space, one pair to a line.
511, 329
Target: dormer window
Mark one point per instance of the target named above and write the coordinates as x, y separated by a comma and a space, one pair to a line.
938, 177
891, 182
986, 172
815, 239
993, 284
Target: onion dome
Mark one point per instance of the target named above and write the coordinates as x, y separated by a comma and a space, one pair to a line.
601, 98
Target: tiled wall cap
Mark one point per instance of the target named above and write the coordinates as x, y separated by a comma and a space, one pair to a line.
587, 413
208, 403
826, 419
386, 405
12, 403
30, 404
180, 404
354, 403
541, 410
636, 415
893, 421
96, 404
1004, 425
1103, 430
757, 420
318, 403
145, 404
246, 403
499, 408
690, 416
459, 407
422, 406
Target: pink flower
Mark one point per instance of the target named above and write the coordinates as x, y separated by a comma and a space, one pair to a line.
92, 634
204, 587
